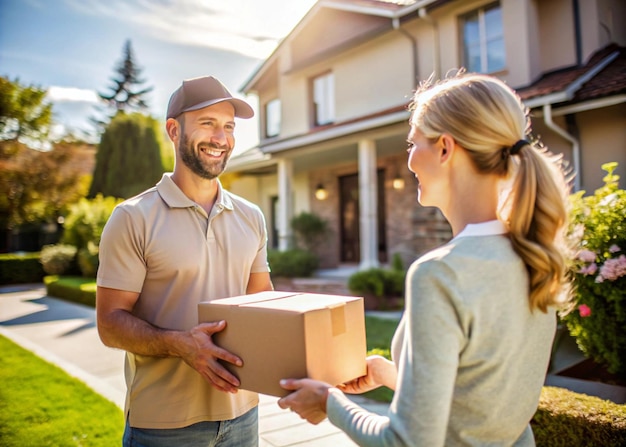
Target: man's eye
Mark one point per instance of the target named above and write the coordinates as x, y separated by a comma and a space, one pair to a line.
409, 147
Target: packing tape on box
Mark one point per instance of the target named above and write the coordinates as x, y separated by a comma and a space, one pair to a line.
338, 318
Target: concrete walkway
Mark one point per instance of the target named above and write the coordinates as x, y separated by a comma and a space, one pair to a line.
65, 334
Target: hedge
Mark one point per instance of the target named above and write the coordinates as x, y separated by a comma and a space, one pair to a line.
77, 289
565, 418
20, 268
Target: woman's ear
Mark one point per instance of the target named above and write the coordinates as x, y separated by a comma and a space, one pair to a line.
446, 147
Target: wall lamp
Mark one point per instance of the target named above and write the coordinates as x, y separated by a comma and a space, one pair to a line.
397, 182
320, 192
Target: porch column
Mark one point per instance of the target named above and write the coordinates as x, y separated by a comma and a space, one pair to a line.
285, 208
368, 204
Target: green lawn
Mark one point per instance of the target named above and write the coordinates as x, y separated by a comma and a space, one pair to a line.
379, 333
40, 405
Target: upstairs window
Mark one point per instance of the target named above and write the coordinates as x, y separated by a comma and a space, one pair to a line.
324, 99
483, 40
272, 118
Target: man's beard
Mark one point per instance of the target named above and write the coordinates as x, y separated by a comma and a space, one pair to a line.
194, 161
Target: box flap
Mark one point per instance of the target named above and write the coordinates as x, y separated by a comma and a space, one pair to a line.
304, 302
252, 298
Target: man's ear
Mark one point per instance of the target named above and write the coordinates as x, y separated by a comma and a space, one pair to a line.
173, 128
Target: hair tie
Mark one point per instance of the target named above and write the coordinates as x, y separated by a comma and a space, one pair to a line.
518, 146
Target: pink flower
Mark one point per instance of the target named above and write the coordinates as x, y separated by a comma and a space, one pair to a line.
589, 269
586, 256
584, 310
614, 248
613, 268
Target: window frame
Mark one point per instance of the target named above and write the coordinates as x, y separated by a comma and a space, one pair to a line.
326, 94
484, 39
272, 119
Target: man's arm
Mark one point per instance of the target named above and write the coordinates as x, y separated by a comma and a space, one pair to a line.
259, 282
119, 328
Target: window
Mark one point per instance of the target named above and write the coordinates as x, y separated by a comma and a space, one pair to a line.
483, 40
272, 118
323, 99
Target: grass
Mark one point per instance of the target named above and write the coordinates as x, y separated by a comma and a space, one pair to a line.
40, 405
379, 333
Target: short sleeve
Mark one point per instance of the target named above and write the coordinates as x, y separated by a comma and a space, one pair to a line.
122, 264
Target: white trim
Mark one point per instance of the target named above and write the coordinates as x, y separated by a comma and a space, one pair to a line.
335, 132
586, 106
374, 11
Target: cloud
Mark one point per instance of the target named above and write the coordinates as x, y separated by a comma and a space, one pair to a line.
70, 94
249, 27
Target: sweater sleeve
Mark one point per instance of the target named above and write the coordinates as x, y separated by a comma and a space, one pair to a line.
427, 367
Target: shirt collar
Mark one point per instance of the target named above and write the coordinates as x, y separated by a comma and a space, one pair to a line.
175, 198
489, 228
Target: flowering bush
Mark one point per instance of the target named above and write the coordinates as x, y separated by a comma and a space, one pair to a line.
598, 229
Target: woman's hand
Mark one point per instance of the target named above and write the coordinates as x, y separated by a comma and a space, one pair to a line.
308, 399
380, 371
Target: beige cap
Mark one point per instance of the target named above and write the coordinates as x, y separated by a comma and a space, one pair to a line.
198, 93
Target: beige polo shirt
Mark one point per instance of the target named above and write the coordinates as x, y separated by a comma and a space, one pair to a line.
164, 246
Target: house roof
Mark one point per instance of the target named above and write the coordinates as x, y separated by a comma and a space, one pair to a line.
603, 75
389, 9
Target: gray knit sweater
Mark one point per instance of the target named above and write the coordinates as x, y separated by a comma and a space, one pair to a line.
471, 356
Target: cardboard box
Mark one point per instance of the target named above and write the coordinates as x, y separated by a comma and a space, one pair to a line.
281, 335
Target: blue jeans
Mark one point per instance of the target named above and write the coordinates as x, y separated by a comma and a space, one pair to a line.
239, 432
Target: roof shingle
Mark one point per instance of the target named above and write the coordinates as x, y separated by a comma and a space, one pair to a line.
609, 81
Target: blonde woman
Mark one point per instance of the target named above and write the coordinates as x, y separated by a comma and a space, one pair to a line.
472, 349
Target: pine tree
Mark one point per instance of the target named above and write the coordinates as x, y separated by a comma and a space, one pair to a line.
126, 95
129, 156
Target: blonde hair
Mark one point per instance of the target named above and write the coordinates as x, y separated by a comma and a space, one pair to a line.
488, 119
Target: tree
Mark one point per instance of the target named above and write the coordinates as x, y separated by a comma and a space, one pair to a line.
36, 186
24, 115
125, 95
129, 156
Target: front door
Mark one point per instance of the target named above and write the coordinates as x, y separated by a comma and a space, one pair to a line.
350, 220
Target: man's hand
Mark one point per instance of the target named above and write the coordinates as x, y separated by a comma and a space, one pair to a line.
308, 399
203, 355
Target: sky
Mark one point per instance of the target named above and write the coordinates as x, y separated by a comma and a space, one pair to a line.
72, 47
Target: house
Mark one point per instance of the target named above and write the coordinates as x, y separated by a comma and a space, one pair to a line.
333, 109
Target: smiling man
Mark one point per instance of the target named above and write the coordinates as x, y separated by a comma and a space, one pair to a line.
162, 252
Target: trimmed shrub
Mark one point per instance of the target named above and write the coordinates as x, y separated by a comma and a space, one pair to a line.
598, 228
309, 228
378, 282
20, 268
58, 259
128, 160
368, 282
72, 288
293, 263
566, 419
88, 261
86, 219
